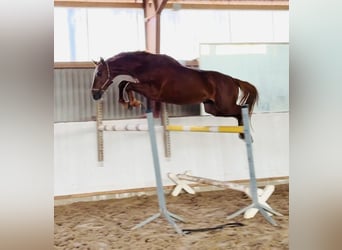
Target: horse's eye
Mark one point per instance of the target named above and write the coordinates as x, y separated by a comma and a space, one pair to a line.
98, 73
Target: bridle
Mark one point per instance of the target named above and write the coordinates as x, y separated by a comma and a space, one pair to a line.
117, 79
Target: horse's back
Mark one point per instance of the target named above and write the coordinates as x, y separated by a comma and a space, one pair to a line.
221, 80
189, 85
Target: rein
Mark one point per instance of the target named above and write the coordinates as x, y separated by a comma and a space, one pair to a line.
109, 80
232, 224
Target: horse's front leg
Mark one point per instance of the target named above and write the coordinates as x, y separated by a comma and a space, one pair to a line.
123, 100
126, 96
132, 101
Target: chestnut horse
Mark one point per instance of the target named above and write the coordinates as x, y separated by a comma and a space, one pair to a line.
163, 79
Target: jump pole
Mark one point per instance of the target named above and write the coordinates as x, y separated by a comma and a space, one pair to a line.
181, 181
213, 129
177, 178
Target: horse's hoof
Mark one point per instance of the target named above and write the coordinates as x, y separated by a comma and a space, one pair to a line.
242, 137
135, 103
125, 105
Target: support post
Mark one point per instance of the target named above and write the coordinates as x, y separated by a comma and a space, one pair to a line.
160, 192
152, 13
252, 179
99, 133
166, 132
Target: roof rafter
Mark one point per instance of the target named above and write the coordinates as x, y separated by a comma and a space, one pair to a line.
181, 4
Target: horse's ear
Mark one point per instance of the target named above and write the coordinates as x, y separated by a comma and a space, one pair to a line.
102, 60
95, 62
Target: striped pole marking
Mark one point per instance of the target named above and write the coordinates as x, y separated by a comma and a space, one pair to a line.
217, 129
176, 128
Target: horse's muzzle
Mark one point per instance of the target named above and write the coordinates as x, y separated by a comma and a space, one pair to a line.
97, 95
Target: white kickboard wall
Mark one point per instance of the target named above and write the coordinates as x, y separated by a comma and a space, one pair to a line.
128, 159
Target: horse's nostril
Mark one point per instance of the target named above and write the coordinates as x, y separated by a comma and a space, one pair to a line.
97, 95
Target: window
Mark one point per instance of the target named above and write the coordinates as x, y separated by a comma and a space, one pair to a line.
265, 65
183, 31
84, 34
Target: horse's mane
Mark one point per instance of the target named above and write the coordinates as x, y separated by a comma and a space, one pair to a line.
145, 56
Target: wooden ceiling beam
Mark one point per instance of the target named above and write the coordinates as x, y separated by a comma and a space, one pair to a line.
99, 3
181, 4
226, 4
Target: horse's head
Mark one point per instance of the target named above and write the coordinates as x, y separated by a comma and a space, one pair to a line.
121, 68
101, 79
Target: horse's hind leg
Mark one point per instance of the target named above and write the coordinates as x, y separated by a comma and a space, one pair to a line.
234, 111
240, 123
238, 115
210, 107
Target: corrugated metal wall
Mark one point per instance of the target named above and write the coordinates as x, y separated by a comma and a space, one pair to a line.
73, 101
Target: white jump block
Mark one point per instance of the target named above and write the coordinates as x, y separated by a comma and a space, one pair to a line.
263, 194
180, 185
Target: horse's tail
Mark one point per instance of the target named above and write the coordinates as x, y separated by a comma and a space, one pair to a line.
250, 95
